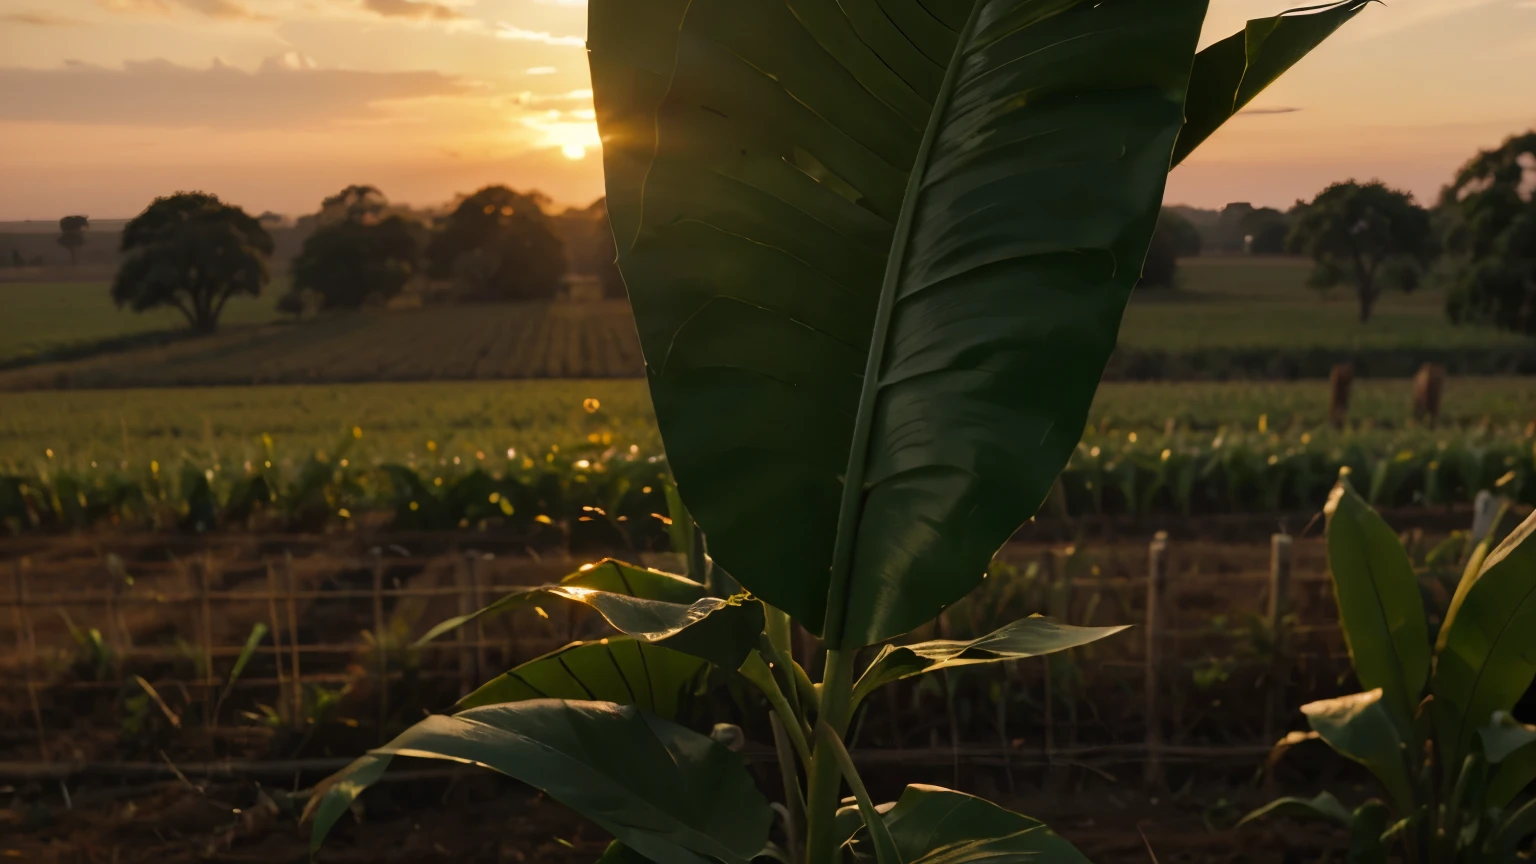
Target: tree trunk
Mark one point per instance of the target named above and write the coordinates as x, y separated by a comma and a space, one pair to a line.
1367, 301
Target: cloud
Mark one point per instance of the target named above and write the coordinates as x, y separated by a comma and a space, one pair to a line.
229, 10
418, 10
1269, 111
286, 92
38, 19
510, 31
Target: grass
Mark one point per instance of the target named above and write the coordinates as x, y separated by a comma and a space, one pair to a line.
37, 318
1243, 304
462, 418
1249, 303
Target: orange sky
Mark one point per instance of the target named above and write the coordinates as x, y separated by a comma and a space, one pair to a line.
274, 104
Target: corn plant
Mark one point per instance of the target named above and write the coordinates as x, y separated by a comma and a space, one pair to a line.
1433, 724
877, 254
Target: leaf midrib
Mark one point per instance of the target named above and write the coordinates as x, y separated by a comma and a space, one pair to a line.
850, 507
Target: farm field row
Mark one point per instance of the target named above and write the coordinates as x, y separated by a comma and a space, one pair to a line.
1231, 317
460, 418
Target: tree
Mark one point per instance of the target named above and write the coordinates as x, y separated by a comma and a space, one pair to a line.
357, 255
72, 234
192, 252
1364, 235
589, 247
1489, 232
500, 245
1175, 237
1264, 231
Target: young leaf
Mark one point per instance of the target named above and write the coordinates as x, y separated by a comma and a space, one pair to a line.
722, 631
1487, 662
1360, 728
1230, 73
879, 833
1028, 637
1510, 748
1323, 806
621, 670
1381, 608
878, 268
671, 795
940, 826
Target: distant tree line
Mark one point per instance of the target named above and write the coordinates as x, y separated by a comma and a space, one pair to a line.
1479, 240
193, 252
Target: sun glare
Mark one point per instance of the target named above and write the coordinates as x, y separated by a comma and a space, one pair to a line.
574, 152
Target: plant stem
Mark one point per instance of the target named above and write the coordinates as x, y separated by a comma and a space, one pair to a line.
825, 774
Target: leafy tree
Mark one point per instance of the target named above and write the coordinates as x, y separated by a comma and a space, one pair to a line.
1364, 235
358, 254
192, 252
500, 245
16, 259
1264, 231
589, 247
1489, 215
1175, 237
72, 234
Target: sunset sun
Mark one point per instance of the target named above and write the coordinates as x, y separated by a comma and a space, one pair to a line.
573, 152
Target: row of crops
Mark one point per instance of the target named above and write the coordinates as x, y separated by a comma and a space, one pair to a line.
598, 491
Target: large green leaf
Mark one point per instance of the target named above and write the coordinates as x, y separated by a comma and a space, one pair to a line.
1028, 637
1380, 605
933, 825
650, 606
1359, 728
883, 251
1230, 73
670, 794
1489, 656
621, 670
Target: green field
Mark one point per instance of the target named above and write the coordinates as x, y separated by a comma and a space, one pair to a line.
1257, 309
463, 418
37, 318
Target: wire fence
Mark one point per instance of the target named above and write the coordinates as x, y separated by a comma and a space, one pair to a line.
221, 651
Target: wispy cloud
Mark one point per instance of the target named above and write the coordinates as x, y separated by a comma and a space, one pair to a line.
417, 10
511, 31
285, 93
1278, 110
540, 70
230, 10
39, 19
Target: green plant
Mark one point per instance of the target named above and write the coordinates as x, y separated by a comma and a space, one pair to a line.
1433, 724
877, 266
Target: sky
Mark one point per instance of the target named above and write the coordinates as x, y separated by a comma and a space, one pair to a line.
274, 104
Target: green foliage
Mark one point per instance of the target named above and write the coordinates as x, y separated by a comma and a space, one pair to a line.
1489, 212
1367, 236
1174, 238
499, 245
351, 262
192, 252
1443, 746
72, 234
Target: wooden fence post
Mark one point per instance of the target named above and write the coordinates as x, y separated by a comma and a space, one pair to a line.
1280, 558
1048, 562
209, 687
293, 641
283, 700
380, 640
1157, 578
26, 648
477, 586
462, 577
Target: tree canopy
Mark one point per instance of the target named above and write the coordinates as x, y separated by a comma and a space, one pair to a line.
72, 234
1489, 233
1175, 237
1367, 236
500, 245
589, 246
357, 255
192, 252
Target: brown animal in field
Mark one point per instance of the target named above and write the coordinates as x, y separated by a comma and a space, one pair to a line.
1340, 380
1427, 386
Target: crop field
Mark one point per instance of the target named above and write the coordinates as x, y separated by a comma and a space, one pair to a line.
1231, 318
526, 453
38, 318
